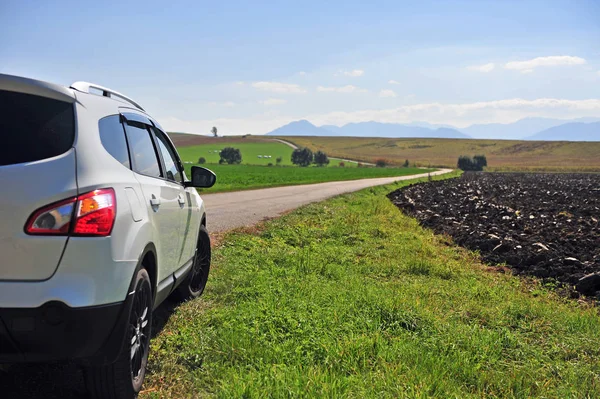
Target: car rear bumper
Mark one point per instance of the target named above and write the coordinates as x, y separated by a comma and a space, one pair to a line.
56, 331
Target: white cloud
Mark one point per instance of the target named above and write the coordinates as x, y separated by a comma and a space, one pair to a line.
393, 82
343, 89
555, 60
387, 93
460, 115
277, 87
273, 101
302, 73
355, 73
485, 68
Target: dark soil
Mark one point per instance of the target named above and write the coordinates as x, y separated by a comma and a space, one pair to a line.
540, 224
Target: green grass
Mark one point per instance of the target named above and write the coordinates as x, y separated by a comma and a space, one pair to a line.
243, 177
250, 152
350, 298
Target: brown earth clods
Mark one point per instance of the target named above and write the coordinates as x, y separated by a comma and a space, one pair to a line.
539, 224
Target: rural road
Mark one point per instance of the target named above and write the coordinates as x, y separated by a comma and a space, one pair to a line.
245, 208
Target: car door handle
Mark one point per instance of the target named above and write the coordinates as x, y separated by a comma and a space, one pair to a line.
180, 199
154, 201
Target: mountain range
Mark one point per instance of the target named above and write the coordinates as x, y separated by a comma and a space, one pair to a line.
582, 129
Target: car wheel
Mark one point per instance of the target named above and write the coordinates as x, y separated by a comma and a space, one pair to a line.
195, 282
123, 379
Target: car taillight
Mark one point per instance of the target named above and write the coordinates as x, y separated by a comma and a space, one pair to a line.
89, 214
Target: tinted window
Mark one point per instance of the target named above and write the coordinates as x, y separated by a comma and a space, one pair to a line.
169, 157
142, 151
112, 136
34, 128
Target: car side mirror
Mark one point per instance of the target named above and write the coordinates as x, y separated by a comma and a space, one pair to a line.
201, 178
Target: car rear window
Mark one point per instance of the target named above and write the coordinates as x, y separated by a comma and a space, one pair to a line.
112, 136
34, 128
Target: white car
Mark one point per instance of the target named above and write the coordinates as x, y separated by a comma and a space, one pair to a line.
98, 225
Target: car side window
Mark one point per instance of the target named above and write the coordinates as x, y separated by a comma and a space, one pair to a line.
113, 139
143, 154
170, 158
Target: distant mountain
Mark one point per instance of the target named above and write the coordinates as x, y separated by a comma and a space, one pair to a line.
518, 130
301, 128
365, 129
575, 131
582, 129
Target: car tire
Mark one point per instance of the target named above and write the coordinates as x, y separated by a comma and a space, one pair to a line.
123, 379
195, 282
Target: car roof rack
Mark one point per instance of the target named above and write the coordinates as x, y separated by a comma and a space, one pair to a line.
85, 87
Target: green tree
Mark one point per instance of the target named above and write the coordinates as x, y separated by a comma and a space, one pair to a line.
278, 160
302, 157
380, 163
230, 155
480, 161
214, 131
321, 158
467, 163
405, 164
201, 160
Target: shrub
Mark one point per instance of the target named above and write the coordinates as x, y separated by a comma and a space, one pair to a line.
341, 164
405, 164
278, 160
230, 155
359, 165
480, 160
302, 156
321, 158
477, 163
201, 160
270, 164
380, 163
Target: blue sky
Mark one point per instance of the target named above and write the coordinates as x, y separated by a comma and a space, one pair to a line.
249, 67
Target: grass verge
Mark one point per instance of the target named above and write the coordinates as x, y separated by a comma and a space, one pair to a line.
350, 298
244, 177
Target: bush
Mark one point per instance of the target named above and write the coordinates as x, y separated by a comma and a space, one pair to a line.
321, 158
270, 164
380, 163
405, 164
230, 155
341, 164
480, 160
302, 157
278, 160
477, 163
359, 165
201, 160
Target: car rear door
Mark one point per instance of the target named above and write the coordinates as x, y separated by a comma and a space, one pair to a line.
162, 195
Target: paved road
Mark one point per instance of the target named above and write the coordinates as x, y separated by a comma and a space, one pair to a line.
244, 208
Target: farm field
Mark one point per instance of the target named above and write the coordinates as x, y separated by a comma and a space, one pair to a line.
502, 155
244, 177
544, 225
352, 298
253, 153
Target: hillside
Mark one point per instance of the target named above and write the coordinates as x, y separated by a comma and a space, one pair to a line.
501, 154
571, 132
